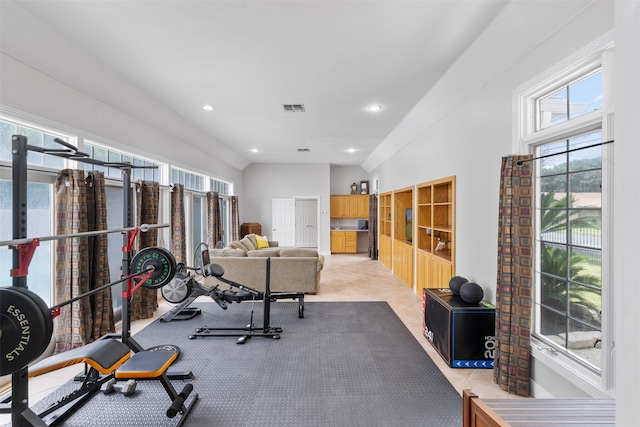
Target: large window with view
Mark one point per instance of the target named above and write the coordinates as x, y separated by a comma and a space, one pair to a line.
569, 305
564, 123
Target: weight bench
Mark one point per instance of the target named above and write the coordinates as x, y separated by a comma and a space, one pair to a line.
108, 359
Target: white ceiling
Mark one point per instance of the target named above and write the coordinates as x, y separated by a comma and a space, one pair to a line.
248, 58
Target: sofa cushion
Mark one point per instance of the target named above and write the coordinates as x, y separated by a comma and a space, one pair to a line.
228, 252
236, 244
298, 252
267, 252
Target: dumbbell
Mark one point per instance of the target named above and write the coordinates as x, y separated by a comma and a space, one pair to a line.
127, 388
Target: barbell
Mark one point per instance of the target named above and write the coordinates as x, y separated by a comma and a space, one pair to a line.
26, 322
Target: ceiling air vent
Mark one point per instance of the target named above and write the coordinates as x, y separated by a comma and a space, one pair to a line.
293, 108
304, 150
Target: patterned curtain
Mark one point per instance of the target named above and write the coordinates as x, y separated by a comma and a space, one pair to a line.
235, 219
214, 220
101, 302
514, 278
145, 301
81, 262
373, 226
178, 234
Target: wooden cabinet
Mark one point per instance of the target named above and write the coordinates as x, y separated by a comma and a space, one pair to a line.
344, 242
349, 205
403, 262
384, 250
250, 228
359, 206
339, 206
435, 233
403, 235
431, 271
403, 215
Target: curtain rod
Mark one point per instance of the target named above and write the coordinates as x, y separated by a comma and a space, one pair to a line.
521, 162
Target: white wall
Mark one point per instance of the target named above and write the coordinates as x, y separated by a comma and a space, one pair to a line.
473, 129
263, 182
343, 176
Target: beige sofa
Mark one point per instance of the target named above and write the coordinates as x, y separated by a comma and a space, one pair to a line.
292, 269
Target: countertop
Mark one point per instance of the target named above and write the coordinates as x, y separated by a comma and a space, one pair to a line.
348, 229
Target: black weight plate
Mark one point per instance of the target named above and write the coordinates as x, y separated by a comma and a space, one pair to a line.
162, 262
26, 327
178, 289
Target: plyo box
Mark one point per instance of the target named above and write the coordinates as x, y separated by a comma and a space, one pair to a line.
462, 333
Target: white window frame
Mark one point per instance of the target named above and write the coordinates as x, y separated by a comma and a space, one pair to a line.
526, 139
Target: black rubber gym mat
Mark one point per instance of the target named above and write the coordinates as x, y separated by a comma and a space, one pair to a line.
343, 364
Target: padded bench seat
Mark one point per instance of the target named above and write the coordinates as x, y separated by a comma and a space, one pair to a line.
146, 364
104, 355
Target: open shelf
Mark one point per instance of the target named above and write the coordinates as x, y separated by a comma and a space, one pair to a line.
435, 249
385, 214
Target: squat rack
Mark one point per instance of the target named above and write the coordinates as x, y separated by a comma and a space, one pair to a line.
23, 247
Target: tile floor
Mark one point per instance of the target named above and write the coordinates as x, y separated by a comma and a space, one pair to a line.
344, 278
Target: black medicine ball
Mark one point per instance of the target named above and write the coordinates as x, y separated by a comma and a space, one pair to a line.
455, 283
471, 293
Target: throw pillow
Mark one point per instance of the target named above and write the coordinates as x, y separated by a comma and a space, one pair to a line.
238, 244
252, 237
262, 241
247, 243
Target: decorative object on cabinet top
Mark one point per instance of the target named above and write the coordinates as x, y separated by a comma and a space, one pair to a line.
364, 187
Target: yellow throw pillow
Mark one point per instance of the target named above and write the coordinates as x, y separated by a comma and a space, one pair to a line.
262, 241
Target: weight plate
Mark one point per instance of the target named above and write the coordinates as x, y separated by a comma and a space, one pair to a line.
168, 347
160, 260
178, 289
26, 327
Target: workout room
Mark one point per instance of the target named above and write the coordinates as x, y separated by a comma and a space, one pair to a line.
272, 212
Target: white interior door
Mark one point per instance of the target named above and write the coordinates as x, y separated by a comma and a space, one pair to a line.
283, 220
307, 223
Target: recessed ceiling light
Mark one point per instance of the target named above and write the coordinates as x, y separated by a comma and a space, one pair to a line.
375, 107
254, 150
351, 150
208, 107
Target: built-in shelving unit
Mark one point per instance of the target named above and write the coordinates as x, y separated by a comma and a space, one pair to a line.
403, 235
417, 227
385, 239
435, 249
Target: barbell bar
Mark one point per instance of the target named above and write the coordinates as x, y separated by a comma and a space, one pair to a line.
144, 228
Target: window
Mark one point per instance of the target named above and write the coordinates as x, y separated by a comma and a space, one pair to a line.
570, 101
564, 121
569, 186
223, 188
35, 137
39, 206
190, 180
